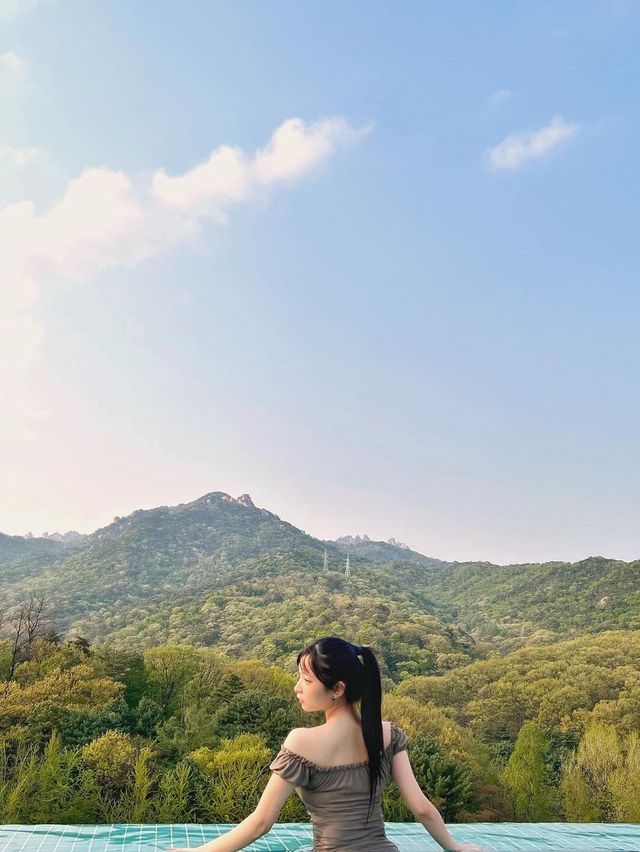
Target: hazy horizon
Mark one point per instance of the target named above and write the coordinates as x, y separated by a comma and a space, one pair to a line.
330, 537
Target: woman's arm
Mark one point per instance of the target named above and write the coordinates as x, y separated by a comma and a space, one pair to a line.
242, 835
255, 825
421, 807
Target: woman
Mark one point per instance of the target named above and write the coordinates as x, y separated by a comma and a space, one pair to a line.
340, 768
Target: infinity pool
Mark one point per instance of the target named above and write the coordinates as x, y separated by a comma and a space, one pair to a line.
287, 837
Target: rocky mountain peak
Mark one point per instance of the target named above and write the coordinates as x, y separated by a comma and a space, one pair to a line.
64, 538
360, 539
397, 543
245, 500
352, 539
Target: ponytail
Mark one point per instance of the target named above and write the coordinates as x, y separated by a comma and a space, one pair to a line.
371, 718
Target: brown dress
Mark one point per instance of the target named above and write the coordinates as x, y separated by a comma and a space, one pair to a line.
337, 798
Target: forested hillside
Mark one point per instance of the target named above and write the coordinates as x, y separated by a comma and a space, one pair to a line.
148, 667
384, 552
219, 571
559, 686
150, 556
170, 574
269, 613
517, 603
21, 559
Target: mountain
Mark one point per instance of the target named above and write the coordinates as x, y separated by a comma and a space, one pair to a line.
351, 539
22, 557
384, 551
16, 547
221, 571
156, 553
65, 538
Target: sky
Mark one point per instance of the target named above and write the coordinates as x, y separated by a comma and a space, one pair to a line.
373, 263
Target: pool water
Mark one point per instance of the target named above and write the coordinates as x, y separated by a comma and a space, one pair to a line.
286, 837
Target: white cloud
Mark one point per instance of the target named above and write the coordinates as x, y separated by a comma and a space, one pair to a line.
230, 176
106, 219
20, 156
520, 148
11, 63
295, 148
496, 100
208, 187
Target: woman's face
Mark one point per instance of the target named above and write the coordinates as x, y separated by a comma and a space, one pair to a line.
310, 692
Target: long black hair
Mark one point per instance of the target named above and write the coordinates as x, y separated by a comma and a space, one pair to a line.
332, 659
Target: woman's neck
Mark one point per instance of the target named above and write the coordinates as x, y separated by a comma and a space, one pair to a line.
340, 713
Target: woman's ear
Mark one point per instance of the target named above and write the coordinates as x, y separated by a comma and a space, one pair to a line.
339, 689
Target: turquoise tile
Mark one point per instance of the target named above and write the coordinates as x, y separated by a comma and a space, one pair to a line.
291, 837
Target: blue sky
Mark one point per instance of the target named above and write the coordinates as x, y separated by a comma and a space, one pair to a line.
373, 263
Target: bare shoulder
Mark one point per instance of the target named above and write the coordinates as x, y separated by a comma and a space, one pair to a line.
297, 740
315, 743
309, 736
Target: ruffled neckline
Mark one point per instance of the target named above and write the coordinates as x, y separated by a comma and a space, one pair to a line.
313, 765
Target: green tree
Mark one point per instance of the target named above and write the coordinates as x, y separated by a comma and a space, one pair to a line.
230, 686
601, 781
76, 726
195, 726
125, 666
111, 758
256, 712
148, 715
167, 670
175, 801
446, 781
237, 774
45, 788
526, 776
123, 777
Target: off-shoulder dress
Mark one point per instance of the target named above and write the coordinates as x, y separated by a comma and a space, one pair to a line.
337, 798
